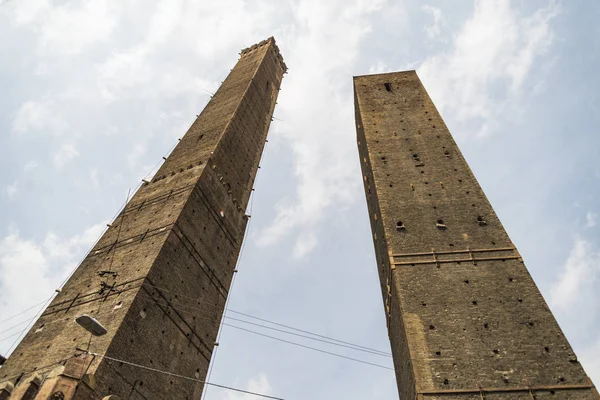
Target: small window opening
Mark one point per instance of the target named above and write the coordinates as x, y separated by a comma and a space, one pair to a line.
440, 224
481, 221
400, 226
32, 390
447, 154
416, 157
388, 86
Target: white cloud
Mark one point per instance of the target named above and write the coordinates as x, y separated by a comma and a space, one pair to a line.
134, 157
304, 244
37, 116
490, 58
580, 276
591, 219
56, 247
575, 298
29, 272
11, 190
94, 179
18, 256
66, 153
259, 384
379, 68
590, 359
26, 12
68, 28
322, 140
142, 69
30, 166
435, 29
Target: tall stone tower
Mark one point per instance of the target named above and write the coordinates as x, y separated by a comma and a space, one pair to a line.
464, 317
159, 277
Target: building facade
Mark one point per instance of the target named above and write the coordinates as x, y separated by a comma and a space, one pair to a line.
159, 277
464, 317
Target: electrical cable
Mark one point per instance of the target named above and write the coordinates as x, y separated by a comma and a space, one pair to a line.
368, 349
9, 336
309, 337
349, 345
182, 376
19, 324
308, 347
314, 334
30, 324
23, 312
275, 338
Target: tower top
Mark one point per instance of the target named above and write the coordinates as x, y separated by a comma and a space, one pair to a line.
270, 40
384, 74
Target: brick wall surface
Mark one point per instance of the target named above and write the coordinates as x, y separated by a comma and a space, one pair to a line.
159, 276
463, 312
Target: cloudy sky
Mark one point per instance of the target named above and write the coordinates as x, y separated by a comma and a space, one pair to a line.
95, 92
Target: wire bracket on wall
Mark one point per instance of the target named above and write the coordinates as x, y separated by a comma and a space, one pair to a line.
437, 264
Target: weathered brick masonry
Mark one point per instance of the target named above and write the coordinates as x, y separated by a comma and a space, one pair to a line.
159, 277
465, 319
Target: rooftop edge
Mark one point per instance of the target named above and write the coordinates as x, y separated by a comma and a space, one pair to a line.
270, 40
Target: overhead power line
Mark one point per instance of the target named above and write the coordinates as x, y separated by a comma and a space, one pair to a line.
19, 324
189, 378
10, 336
270, 321
188, 311
350, 346
23, 312
308, 347
312, 333
334, 343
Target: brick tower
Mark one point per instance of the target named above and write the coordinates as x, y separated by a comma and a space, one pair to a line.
464, 317
158, 278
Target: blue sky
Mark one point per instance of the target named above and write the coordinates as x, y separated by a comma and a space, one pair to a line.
95, 92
